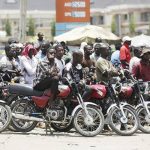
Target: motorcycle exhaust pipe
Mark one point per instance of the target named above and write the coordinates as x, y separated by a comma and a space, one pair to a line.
23, 117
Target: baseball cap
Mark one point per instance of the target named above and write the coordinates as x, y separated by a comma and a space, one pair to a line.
126, 38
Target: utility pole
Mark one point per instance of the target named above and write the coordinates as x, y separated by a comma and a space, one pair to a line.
22, 28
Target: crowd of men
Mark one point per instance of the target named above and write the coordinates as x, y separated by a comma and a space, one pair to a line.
42, 64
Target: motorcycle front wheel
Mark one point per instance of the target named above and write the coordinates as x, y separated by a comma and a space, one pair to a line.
5, 116
123, 126
144, 119
90, 125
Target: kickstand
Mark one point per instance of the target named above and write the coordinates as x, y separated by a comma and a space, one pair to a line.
48, 128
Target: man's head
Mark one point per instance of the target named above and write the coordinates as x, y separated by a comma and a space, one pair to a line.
77, 57
45, 45
98, 40
50, 53
97, 49
137, 52
40, 36
88, 49
105, 50
59, 51
126, 40
145, 54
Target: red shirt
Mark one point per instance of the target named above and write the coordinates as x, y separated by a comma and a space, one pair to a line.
141, 70
125, 54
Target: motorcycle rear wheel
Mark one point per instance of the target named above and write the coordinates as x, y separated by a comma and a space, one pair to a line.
5, 117
21, 125
124, 129
82, 126
144, 124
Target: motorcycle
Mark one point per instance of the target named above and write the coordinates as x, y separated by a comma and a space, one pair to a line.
67, 109
138, 95
5, 113
119, 115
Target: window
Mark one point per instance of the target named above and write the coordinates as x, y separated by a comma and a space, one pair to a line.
145, 16
125, 17
101, 19
11, 1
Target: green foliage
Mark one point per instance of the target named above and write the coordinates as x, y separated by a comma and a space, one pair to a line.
8, 27
113, 25
53, 26
132, 25
31, 27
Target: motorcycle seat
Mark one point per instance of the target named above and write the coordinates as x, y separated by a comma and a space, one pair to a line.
24, 90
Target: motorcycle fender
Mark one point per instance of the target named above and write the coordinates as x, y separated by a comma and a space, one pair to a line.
86, 104
141, 105
2, 101
113, 105
126, 104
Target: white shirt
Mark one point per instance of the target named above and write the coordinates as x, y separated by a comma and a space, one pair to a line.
5, 63
133, 61
28, 68
60, 64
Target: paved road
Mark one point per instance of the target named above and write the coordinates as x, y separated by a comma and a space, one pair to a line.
37, 140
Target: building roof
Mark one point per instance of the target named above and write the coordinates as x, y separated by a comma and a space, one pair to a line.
50, 4
31, 4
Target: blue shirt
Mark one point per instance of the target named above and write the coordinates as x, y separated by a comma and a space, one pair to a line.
115, 58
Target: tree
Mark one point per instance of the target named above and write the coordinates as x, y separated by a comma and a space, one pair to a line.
31, 27
53, 27
132, 25
8, 27
113, 25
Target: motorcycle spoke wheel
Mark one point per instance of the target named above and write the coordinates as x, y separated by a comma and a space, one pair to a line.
25, 109
89, 129
123, 128
144, 124
5, 117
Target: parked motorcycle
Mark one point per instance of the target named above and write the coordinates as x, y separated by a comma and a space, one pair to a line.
5, 113
120, 116
137, 94
67, 109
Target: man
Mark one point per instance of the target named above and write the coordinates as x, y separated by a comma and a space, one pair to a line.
40, 40
58, 60
135, 59
125, 55
97, 52
115, 57
74, 69
141, 70
104, 68
87, 62
47, 74
42, 53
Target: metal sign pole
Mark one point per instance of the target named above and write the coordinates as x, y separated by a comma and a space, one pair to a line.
22, 29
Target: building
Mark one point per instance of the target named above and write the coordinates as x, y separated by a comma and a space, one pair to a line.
118, 15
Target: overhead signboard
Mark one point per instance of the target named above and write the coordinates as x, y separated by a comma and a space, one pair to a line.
71, 14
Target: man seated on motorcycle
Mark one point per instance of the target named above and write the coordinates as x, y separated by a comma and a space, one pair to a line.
141, 69
73, 69
88, 65
8, 62
47, 75
104, 68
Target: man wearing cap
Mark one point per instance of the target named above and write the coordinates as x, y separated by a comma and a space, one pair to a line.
141, 70
125, 55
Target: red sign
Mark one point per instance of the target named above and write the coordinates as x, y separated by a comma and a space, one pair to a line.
72, 11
